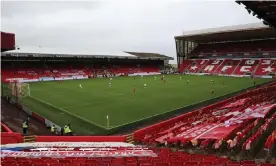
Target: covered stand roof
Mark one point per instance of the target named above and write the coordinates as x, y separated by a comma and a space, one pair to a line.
55, 53
230, 33
145, 54
265, 10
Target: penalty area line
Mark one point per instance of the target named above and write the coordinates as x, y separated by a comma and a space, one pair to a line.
66, 111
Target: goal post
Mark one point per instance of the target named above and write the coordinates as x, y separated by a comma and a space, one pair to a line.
20, 89
25, 90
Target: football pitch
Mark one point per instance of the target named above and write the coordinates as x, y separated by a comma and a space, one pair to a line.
66, 102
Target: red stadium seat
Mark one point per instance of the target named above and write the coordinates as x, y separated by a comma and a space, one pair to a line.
161, 164
233, 164
247, 162
116, 164
191, 163
205, 163
145, 164
9, 164
176, 163
88, 164
131, 164
25, 164
218, 164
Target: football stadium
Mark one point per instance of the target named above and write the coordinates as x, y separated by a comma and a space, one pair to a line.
216, 108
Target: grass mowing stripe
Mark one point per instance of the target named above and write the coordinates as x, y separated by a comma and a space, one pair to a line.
67, 112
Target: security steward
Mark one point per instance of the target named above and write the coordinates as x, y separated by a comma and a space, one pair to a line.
53, 130
67, 130
25, 127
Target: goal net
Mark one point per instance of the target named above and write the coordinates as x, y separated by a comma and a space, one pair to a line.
20, 89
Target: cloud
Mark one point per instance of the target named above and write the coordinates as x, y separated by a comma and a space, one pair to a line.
132, 25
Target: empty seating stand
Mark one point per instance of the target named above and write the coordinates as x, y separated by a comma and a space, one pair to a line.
69, 71
260, 67
246, 66
228, 66
238, 49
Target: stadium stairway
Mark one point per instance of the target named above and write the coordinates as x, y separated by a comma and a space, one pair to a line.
256, 68
29, 138
236, 67
129, 138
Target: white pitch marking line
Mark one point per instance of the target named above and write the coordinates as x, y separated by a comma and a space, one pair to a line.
66, 111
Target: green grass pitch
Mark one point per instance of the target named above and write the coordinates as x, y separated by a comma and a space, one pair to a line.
96, 99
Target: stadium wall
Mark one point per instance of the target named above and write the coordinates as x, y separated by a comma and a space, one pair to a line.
8, 138
40, 79
80, 139
77, 77
225, 75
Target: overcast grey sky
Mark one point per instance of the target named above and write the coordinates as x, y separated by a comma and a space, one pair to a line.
132, 25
